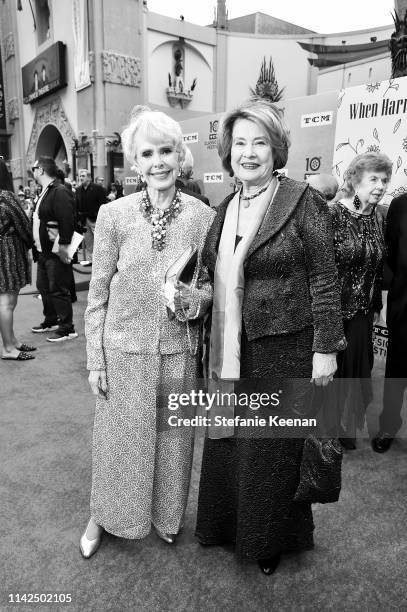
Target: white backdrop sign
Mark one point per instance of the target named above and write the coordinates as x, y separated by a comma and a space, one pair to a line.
373, 117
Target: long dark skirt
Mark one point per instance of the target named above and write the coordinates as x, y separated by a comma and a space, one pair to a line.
351, 392
247, 486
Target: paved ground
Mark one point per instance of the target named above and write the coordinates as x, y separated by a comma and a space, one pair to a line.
46, 411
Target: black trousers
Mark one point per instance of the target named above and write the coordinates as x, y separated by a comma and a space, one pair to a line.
395, 379
54, 280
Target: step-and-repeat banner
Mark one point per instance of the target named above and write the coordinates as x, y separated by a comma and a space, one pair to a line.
311, 121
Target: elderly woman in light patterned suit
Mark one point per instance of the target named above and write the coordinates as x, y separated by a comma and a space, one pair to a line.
141, 470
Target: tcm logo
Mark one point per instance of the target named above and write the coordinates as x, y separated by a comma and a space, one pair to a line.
193, 137
317, 119
213, 177
130, 180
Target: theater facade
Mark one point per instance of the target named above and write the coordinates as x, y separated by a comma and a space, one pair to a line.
70, 72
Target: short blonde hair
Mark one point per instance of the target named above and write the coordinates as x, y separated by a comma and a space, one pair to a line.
152, 123
365, 162
268, 116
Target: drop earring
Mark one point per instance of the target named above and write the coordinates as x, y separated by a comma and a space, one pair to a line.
356, 202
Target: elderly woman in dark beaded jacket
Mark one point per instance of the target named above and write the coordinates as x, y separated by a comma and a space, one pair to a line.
276, 315
359, 252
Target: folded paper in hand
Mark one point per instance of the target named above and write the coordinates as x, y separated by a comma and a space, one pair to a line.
73, 247
182, 270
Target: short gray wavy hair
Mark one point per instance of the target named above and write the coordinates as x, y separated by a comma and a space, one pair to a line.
365, 162
152, 123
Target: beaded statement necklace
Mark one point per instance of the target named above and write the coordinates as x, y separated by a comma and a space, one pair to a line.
159, 219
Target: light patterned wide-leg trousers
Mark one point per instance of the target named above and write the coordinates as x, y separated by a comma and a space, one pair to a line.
140, 468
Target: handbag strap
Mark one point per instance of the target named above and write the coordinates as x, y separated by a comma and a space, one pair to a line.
193, 350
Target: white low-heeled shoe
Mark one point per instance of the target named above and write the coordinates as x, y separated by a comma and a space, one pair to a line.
89, 547
167, 537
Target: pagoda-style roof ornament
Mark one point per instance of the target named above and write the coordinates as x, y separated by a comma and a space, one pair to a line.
334, 55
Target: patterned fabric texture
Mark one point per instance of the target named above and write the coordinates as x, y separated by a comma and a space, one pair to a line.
247, 486
291, 279
126, 309
291, 308
15, 240
359, 253
141, 469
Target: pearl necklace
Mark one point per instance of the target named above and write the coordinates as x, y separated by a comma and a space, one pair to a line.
246, 200
159, 218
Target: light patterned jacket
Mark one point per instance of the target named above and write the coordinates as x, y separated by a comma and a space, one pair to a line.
126, 306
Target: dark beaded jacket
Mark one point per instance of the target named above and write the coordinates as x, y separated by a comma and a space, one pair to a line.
359, 253
291, 280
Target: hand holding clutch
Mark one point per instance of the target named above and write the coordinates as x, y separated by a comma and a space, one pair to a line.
182, 296
179, 278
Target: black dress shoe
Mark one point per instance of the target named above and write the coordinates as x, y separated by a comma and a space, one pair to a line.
269, 566
382, 442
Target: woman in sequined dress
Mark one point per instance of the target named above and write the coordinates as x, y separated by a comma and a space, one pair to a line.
359, 252
137, 353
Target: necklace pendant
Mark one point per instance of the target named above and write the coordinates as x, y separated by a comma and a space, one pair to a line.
246, 203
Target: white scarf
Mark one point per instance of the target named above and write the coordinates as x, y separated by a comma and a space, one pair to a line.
225, 344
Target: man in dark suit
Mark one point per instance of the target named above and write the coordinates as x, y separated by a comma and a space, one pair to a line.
396, 363
54, 211
89, 198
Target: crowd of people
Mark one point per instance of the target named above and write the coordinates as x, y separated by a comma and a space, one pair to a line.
28, 195
269, 284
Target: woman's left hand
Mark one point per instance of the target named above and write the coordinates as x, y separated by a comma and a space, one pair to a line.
323, 368
182, 296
